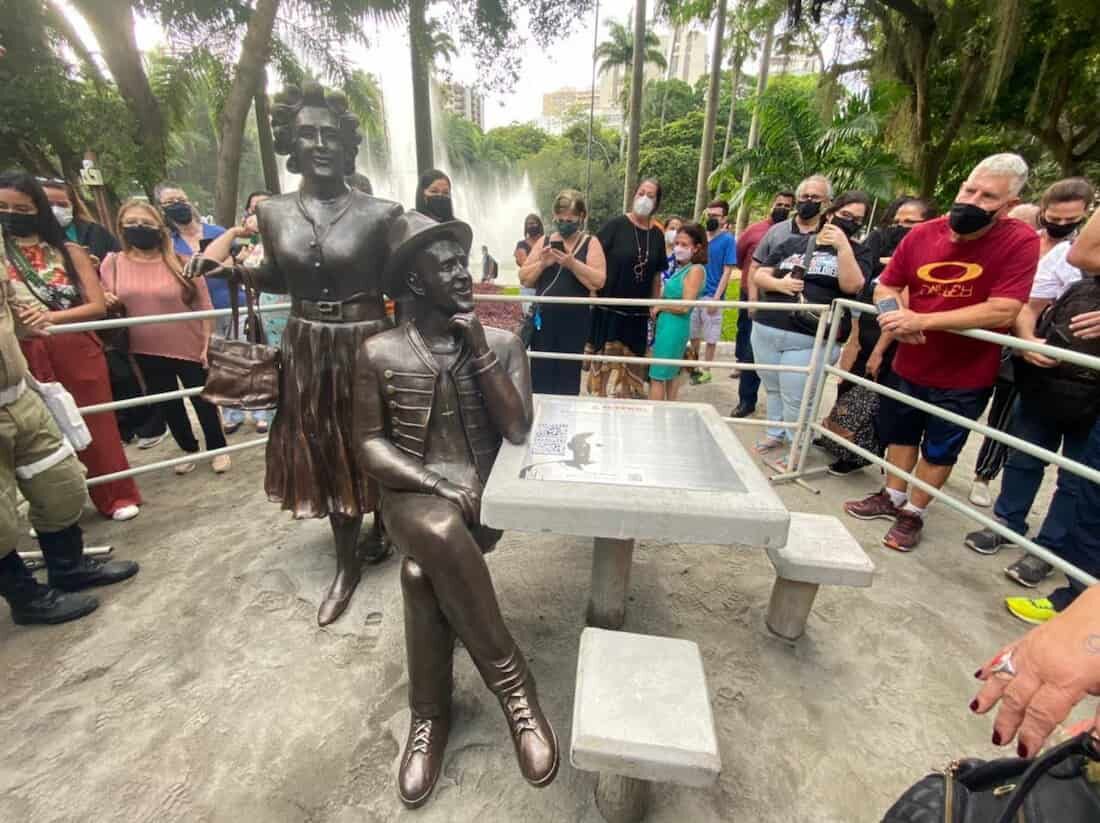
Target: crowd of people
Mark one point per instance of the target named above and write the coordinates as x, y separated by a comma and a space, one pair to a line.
993, 262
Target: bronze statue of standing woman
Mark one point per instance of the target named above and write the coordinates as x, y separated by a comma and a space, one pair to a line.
326, 246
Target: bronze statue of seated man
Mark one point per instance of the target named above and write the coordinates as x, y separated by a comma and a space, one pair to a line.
434, 399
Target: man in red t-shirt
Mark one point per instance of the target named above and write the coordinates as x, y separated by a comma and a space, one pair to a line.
970, 270
748, 387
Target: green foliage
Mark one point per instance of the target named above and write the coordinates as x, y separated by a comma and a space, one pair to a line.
517, 141
795, 143
668, 100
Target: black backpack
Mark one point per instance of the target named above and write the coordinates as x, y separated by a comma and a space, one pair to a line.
1068, 395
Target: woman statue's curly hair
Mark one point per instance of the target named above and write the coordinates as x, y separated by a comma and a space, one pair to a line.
284, 114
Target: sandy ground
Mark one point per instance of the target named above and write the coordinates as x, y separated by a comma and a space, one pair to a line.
203, 689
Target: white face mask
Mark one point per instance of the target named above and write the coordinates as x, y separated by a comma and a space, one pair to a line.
64, 215
643, 205
670, 236
682, 254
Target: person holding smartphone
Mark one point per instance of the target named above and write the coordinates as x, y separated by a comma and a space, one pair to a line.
567, 263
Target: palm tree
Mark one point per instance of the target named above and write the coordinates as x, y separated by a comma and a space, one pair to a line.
617, 52
428, 43
794, 142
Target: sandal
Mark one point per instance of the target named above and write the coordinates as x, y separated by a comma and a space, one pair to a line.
768, 444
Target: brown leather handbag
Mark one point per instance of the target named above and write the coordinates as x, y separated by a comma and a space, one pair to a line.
242, 373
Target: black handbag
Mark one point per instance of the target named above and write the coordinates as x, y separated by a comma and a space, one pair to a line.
1052, 788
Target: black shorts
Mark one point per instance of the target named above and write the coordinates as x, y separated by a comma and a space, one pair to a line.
940, 440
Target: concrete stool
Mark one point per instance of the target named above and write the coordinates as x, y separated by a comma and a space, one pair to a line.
820, 551
641, 715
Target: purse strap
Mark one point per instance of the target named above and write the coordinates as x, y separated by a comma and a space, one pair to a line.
1083, 744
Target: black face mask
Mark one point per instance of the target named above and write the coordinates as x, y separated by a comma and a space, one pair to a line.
440, 207
780, 213
966, 218
712, 224
809, 209
179, 213
533, 231
891, 239
1059, 230
20, 225
849, 227
145, 238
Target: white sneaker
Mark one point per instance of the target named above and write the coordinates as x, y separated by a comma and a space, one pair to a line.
222, 464
980, 494
185, 468
125, 513
150, 442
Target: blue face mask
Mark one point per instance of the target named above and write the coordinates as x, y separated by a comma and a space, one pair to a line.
567, 228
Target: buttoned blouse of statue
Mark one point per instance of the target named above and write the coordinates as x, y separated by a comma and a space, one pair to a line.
338, 258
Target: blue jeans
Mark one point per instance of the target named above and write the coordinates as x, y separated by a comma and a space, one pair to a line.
784, 389
1023, 474
748, 386
1072, 526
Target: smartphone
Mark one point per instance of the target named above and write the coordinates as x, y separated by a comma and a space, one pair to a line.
558, 245
889, 304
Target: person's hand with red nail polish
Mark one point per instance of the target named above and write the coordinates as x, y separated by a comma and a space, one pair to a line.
1056, 666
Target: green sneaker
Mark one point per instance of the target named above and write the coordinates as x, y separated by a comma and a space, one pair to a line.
1037, 610
704, 378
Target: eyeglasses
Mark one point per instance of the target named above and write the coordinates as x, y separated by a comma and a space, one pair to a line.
847, 215
133, 224
174, 201
811, 198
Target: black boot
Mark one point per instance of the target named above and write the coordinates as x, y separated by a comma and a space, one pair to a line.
71, 571
32, 603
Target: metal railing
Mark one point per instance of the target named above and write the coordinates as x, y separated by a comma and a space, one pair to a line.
209, 454
805, 434
804, 429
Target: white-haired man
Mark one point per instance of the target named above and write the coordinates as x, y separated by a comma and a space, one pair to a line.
811, 198
970, 270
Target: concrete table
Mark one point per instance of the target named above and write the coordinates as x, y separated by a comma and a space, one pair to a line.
620, 470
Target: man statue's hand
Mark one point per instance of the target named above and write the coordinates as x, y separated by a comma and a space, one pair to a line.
467, 500
467, 325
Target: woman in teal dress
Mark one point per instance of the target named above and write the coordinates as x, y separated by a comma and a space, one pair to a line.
674, 322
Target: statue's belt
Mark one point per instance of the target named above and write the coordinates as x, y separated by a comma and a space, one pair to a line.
355, 309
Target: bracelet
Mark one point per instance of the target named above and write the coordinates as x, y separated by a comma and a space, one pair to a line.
432, 481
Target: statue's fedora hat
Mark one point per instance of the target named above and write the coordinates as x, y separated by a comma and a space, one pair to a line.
411, 232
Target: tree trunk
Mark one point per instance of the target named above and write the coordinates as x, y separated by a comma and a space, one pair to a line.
735, 85
57, 20
255, 50
112, 23
266, 138
637, 79
754, 126
668, 71
714, 86
421, 82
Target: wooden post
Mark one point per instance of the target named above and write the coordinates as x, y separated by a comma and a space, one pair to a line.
611, 559
789, 608
621, 799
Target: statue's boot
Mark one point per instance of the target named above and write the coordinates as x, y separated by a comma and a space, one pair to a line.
532, 735
429, 647
345, 534
374, 544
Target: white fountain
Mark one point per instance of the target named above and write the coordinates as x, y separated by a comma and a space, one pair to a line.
493, 204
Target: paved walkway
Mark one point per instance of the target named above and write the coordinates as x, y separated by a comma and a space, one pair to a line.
203, 690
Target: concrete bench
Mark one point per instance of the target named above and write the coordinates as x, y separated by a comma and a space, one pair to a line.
820, 551
641, 715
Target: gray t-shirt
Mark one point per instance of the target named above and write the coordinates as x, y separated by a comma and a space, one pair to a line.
777, 235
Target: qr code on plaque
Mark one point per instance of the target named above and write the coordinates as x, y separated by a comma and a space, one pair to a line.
550, 438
